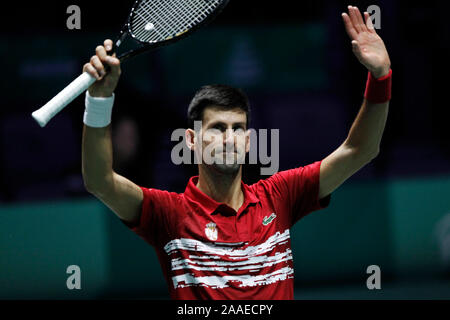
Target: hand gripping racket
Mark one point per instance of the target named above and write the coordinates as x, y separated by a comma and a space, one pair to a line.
152, 24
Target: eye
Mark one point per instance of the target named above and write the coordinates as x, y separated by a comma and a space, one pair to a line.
238, 129
215, 130
218, 127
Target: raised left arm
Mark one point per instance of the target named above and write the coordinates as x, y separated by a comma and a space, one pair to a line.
363, 141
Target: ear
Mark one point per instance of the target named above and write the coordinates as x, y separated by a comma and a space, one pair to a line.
247, 141
190, 138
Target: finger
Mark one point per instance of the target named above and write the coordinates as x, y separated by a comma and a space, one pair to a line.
369, 23
349, 26
360, 19
101, 52
114, 64
354, 19
91, 70
112, 61
98, 65
108, 44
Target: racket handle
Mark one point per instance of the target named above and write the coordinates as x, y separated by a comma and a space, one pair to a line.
62, 99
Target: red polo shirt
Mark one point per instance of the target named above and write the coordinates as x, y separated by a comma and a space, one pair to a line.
207, 250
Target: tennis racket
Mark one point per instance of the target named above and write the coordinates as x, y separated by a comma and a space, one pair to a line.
151, 24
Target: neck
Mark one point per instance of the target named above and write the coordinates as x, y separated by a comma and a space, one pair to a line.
223, 188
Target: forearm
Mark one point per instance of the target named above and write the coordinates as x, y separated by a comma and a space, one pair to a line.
97, 158
367, 129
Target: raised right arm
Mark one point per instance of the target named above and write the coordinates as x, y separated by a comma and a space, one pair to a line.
121, 195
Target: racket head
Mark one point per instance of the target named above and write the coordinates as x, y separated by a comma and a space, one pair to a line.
156, 23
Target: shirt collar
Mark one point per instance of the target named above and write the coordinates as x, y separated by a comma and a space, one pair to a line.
210, 205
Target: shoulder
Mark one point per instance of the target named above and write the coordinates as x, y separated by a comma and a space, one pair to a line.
288, 178
156, 197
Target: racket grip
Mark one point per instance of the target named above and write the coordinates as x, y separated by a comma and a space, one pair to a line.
62, 99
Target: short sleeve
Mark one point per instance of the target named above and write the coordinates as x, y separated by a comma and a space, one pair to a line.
154, 223
300, 188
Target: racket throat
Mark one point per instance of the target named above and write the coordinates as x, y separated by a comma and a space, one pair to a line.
120, 39
117, 43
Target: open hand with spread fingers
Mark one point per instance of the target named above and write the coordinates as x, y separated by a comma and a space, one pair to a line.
367, 45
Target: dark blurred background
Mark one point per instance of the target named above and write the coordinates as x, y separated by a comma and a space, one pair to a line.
296, 64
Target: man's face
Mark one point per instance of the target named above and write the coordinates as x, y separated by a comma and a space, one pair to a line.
224, 139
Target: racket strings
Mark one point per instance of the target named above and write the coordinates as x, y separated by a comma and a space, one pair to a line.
167, 14
161, 19
151, 16
158, 10
145, 19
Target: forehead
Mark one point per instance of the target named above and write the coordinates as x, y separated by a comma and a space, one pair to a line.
216, 114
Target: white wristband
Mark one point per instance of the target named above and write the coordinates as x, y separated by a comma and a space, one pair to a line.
98, 111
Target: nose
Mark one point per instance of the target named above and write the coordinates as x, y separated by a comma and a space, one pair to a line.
229, 137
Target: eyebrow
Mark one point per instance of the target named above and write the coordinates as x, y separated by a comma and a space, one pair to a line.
243, 124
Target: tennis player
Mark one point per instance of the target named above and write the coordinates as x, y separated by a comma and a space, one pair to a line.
221, 238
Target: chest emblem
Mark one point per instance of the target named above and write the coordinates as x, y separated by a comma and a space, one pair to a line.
269, 219
211, 231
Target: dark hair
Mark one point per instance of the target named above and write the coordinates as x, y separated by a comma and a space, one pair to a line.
217, 95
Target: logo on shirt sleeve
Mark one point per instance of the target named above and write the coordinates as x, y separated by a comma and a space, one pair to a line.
211, 231
269, 219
